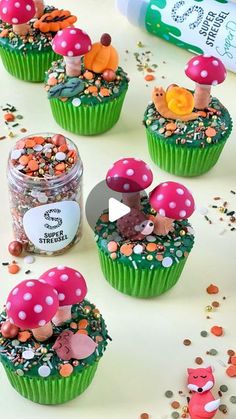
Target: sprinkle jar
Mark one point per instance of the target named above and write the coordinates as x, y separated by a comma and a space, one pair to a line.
45, 187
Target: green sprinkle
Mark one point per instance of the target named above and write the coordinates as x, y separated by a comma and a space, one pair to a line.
175, 415
212, 352
169, 394
204, 333
233, 399
223, 408
223, 388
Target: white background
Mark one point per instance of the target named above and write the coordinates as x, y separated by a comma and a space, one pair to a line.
146, 356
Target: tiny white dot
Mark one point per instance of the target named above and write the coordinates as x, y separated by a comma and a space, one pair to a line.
70, 53
49, 300
204, 74
17, 4
8, 305
30, 284
126, 187
22, 315
215, 62
64, 44
160, 197
125, 162
195, 62
78, 292
180, 191
165, 184
78, 274
42, 281
130, 172
61, 296
38, 308
15, 291
4, 10
61, 267
51, 274
60, 33
116, 176
214, 83
172, 205
42, 323
182, 214
77, 46
28, 7
72, 32
14, 20
162, 212
188, 203
64, 277
27, 296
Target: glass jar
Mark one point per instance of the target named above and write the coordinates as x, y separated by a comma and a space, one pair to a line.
46, 204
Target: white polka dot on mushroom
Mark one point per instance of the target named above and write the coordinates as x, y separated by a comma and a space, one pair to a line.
60, 33
42, 323
8, 305
130, 172
64, 277
196, 62
17, 4
188, 203
27, 296
4, 10
215, 82
165, 184
172, 205
28, 7
167, 262
162, 212
15, 291
215, 62
160, 197
22, 315
30, 284
14, 20
61, 267
61, 296
49, 300
77, 46
182, 214
145, 178
204, 73
78, 274
44, 371
72, 32
180, 191
38, 308
125, 162
78, 292
126, 187
64, 44
70, 53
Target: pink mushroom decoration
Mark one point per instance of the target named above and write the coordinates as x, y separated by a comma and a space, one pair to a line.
17, 13
206, 71
39, 6
172, 201
32, 305
129, 176
72, 43
71, 288
71, 345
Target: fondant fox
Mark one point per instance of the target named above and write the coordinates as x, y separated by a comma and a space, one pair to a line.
202, 404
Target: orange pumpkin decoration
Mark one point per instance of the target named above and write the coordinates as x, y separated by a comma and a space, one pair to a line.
102, 56
55, 21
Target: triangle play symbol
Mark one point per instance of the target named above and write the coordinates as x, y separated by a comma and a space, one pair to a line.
117, 209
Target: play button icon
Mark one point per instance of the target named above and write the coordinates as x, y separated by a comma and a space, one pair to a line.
117, 210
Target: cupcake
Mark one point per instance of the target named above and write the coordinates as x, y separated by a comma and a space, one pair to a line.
87, 88
187, 131
143, 253
26, 31
51, 338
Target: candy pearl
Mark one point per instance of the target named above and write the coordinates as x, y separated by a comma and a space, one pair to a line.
58, 140
15, 248
209, 308
109, 75
9, 330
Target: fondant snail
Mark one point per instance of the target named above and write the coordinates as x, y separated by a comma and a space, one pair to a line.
175, 103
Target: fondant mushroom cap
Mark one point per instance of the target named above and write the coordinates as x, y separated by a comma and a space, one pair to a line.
129, 175
172, 200
68, 282
17, 12
71, 42
32, 304
206, 70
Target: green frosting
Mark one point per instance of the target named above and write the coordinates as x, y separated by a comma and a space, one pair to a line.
170, 249
34, 42
64, 85
192, 133
11, 350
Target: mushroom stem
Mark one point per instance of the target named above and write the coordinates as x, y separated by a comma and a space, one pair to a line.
62, 315
202, 96
162, 225
21, 30
132, 200
73, 66
39, 6
43, 333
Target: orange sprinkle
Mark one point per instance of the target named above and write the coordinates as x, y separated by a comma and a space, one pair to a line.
33, 165
210, 132
30, 143
66, 370
126, 249
231, 371
63, 148
212, 289
149, 77
202, 113
105, 92
9, 117
151, 247
4, 33
39, 140
60, 167
92, 89
88, 75
112, 246
171, 126
104, 218
24, 336
233, 360
13, 268
175, 404
24, 160
52, 81
83, 324
82, 332
73, 325
217, 331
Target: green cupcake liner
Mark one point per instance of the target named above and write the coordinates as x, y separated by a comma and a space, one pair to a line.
28, 67
52, 390
87, 119
142, 283
183, 161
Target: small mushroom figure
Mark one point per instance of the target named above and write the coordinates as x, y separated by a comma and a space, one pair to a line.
72, 43
172, 201
32, 305
71, 288
129, 176
71, 345
17, 13
206, 71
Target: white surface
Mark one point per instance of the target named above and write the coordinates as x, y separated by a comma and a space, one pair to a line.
146, 356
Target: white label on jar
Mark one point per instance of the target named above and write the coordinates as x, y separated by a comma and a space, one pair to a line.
52, 227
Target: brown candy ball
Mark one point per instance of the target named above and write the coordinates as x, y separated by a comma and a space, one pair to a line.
9, 330
15, 248
109, 75
106, 39
58, 140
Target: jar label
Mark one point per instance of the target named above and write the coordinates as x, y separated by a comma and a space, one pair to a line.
52, 227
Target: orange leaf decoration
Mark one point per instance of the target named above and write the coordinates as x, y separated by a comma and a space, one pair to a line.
55, 21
